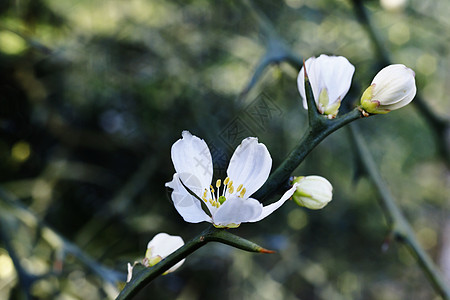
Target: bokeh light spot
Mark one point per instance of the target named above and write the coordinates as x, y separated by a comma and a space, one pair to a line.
399, 34
297, 219
11, 43
393, 5
6, 266
427, 237
426, 64
315, 273
294, 3
21, 151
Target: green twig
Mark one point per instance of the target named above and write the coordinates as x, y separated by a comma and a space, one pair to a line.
211, 234
398, 223
26, 280
320, 127
277, 50
15, 207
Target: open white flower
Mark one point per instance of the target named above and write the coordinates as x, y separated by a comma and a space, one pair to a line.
330, 78
392, 88
161, 246
228, 202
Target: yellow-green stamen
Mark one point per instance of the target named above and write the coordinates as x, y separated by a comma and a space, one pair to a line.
216, 200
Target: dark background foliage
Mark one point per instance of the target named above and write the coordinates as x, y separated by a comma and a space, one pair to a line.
94, 93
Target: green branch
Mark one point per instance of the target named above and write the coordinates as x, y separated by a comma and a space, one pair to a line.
318, 132
398, 223
319, 128
277, 51
10, 205
211, 234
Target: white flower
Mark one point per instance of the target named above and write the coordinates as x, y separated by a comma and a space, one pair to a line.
330, 78
161, 246
228, 202
313, 192
392, 88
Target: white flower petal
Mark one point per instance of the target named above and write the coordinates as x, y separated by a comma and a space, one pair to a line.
314, 79
163, 245
394, 86
250, 165
186, 205
333, 73
406, 100
190, 155
130, 272
337, 73
237, 210
267, 210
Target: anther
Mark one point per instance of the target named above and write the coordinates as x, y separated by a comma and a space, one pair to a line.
231, 189
225, 182
218, 182
239, 188
242, 193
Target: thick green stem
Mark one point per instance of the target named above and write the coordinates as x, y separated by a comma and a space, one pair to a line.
398, 223
211, 234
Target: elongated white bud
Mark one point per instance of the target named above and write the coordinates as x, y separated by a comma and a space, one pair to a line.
392, 88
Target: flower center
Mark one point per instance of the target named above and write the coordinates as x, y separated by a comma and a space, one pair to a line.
217, 199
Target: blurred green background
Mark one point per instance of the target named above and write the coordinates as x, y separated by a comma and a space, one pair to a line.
94, 93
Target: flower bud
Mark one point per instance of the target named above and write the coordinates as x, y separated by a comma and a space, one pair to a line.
161, 246
313, 192
330, 78
392, 88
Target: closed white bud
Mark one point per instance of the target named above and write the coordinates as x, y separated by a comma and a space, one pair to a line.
161, 246
313, 192
330, 78
392, 88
